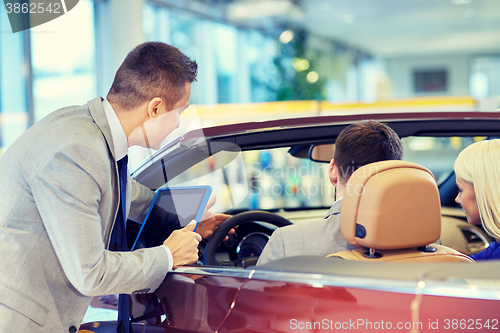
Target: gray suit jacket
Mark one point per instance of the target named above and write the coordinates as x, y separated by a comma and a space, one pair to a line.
59, 196
319, 237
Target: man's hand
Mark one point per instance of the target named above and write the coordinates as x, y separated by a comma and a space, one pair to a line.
183, 244
211, 221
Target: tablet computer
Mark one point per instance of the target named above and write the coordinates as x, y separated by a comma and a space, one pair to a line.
171, 207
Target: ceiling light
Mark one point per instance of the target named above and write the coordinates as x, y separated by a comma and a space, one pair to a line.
301, 64
312, 77
461, 2
286, 36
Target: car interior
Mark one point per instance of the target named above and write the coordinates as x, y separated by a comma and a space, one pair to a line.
290, 184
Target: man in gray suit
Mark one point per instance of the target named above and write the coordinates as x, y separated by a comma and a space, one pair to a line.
358, 144
60, 193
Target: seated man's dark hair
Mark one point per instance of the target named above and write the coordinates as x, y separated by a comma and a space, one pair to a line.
363, 143
152, 69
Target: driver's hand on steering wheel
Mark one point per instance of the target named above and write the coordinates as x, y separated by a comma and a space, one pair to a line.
211, 221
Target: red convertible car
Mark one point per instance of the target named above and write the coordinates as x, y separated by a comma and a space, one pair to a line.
270, 174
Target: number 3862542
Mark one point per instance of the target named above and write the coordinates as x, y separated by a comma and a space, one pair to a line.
33, 8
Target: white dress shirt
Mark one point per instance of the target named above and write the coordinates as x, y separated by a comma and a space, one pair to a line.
120, 145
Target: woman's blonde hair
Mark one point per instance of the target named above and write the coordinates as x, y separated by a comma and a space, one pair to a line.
479, 165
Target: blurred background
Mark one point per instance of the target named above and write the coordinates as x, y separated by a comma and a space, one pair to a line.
263, 59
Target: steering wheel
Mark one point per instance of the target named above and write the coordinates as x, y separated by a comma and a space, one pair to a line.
221, 232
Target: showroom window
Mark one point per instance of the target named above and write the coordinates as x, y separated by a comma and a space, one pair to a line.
63, 61
235, 65
15, 112
45, 68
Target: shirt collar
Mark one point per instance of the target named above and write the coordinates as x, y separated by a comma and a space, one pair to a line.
120, 143
335, 209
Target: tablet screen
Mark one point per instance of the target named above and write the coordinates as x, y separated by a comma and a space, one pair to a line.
172, 208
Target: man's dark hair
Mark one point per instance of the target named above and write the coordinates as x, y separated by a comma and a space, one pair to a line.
363, 143
152, 69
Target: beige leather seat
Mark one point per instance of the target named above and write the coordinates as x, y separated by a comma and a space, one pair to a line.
391, 211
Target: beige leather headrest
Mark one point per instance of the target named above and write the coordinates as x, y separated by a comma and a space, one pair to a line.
393, 205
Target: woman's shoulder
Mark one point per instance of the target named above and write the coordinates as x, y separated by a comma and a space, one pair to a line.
495, 248
490, 253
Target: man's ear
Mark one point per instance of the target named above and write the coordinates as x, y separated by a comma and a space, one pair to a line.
333, 172
154, 107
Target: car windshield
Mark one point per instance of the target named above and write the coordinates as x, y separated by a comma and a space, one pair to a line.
437, 154
274, 179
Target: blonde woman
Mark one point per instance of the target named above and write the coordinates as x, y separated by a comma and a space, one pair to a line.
478, 179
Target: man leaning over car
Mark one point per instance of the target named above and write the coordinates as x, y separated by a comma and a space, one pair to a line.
60, 195
357, 145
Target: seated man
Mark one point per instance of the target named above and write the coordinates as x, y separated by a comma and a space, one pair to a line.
358, 144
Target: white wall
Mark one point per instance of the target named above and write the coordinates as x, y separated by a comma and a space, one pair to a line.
400, 71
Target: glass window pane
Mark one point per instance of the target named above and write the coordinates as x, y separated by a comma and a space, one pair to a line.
63, 60
264, 179
235, 65
14, 76
438, 154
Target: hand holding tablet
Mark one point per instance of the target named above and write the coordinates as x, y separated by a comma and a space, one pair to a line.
178, 205
183, 207
183, 244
